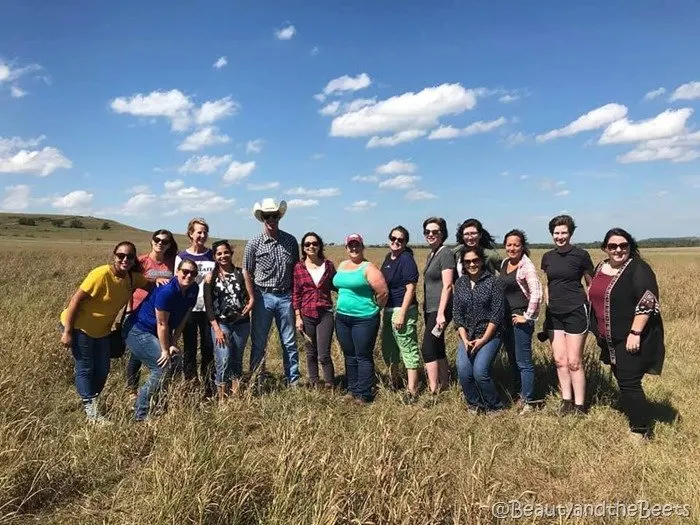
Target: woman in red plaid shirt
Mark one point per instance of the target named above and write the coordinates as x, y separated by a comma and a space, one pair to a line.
313, 306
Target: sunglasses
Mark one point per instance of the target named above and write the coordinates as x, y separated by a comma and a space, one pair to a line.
310, 244
471, 262
397, 240
354, 246
270, 216
128, 256
161, 240
470, 234
187, 273
427, 232
614, 246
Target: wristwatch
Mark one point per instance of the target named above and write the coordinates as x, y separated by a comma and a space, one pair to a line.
635, 332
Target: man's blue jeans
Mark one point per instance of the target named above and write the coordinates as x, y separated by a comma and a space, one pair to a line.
357, 336
92, 360
146, 348
518, 342
228, 359
269, 306
475, 375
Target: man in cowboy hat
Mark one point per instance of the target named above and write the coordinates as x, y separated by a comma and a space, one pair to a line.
269, 258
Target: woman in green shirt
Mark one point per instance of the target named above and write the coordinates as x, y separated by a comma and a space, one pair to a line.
362, 293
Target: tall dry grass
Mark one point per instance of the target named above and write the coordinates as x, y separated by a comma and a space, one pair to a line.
299, 456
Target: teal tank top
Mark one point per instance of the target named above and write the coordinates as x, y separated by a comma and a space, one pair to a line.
355, 295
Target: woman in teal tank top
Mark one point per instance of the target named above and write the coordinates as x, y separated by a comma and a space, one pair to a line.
362, 293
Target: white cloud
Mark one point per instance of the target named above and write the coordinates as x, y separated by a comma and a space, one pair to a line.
139, 204
286, 33
400, 182
420, 110
689, 91
449, 132
335, 107
141, 188
203, 138
317, 156
172, 185
664, 125
254, 146
173, 105
394, 167
15, 157
393, 140
17, 92
302, 203
365, 178
315, 51
263, 186
663, 193
515, 138
347, 83
215, 110
595, 119
645, 154
238, 171
509, 97
17, 198
419, 195
181, 199
562, 193
220, 62
75, 201
362, 205
204, 164
321, 192
651, 95
330, 109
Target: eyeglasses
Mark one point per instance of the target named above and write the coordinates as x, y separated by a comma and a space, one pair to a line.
470, 234
161, 240
397, 240
428, 232
187, 273
614, 246
128, 256
471, 262
270, 216
310, 244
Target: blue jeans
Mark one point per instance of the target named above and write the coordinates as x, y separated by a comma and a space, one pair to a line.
357, 336
146, 348
518, 342
228, 359
269, 306
92, 360
475, 375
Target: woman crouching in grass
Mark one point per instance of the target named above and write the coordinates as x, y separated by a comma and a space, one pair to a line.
88, 319
154, 328
228, 300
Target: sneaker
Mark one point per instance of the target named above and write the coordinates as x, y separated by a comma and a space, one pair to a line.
348, 397
638, 438
474, 410
526, 409
409, 398
295, 384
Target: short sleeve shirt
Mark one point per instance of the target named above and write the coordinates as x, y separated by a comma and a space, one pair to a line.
108, 294
432, 278
205, 264
167, 298
564, 270
152, 270
271, 261
398, 273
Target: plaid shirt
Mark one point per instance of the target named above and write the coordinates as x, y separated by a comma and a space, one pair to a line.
308, 298
529, 283
271, 261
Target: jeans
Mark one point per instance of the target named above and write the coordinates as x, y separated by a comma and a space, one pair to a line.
198, 322
92, 360
146, 348
357, 336
133, 368
228, 359
320, 331
270, 306
475, 375
518, 342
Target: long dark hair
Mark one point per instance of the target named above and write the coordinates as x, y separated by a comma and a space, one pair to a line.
406, 237
486, 240
634, 247
523, 240
479, 251
320, 245
136, 267
172, 250
217, 266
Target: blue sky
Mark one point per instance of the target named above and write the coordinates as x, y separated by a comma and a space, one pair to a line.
362, 115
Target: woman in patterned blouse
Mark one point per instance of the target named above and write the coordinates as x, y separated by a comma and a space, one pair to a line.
478, 315
228, 300
626, 320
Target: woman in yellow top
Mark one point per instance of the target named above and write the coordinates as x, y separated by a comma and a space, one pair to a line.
88, 319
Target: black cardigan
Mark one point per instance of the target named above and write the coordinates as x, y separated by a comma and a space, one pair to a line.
632, 291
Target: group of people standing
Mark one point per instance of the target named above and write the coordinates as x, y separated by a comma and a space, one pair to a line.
491, 302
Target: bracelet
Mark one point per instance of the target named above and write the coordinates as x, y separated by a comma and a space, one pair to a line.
635, 332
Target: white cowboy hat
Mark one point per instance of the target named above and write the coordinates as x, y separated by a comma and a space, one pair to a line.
269, 206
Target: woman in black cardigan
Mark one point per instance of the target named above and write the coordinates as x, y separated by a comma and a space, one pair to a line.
626, 319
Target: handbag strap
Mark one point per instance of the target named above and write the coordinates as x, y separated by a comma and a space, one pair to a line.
130, 302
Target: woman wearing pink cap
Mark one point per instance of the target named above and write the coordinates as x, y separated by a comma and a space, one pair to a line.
362, 293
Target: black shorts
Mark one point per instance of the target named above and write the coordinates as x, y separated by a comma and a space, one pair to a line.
433, 348
575, 322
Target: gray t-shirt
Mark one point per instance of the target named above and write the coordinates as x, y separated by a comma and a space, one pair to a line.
432, 279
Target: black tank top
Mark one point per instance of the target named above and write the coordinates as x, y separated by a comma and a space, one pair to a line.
517, 302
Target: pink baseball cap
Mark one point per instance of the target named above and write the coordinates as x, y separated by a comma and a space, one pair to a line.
356, 237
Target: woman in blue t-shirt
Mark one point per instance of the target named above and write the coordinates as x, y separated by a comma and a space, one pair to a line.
154, 328
399, 332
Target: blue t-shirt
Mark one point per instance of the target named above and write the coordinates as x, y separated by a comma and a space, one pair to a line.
397, 274
167, 298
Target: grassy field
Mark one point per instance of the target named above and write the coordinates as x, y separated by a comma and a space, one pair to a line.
303, 457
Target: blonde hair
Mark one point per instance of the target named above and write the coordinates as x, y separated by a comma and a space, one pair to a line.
193, 221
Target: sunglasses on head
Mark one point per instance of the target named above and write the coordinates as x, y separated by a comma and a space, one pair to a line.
218, 243
270, 216
187, 273
614, 246
427, 232
309, 244
128, 256
161, 240
397, 240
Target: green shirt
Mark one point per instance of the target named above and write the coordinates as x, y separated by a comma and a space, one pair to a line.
355, 295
